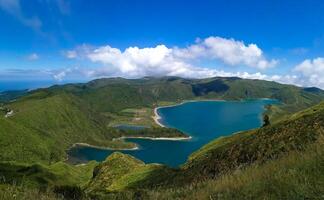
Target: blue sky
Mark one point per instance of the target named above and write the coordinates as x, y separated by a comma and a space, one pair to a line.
65, 40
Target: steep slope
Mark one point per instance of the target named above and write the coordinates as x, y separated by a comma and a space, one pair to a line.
257, 146
38, 175
296, 175
42, 127
123, 172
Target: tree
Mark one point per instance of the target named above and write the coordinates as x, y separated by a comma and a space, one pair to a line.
266, 120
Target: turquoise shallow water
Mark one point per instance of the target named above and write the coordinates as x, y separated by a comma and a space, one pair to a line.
203, 120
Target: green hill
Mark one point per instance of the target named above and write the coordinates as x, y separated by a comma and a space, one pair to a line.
42, 129
257, 146
296, 175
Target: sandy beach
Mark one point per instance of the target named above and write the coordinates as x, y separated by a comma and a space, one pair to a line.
157, 117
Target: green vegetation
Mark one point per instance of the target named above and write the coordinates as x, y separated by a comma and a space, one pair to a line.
44, 128
266, 120
122, 172
132, 116
113, 95
257, 146
12, 192
296, 175
155, 132
282, 160
45, 176
39, 181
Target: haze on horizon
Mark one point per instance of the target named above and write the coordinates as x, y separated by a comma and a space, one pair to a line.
65, 40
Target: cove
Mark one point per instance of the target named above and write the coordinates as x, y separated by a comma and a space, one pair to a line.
202, 120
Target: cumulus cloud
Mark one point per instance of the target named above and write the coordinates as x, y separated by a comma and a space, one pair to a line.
13, 7
229, 51
33, 56
162, 60
135, 62
312, 72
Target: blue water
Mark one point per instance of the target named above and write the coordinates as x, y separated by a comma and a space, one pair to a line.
6, 85
203, 120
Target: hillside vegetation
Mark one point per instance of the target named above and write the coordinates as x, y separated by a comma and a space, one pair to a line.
44, 128
296, 175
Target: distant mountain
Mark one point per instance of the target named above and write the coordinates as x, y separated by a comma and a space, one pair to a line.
115, 94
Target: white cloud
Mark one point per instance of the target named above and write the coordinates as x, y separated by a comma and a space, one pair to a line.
13, 7
312, 72
161, 60
229, 51
33, 56
136, 60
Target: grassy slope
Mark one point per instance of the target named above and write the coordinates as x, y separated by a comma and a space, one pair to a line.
297, 175
123, 172
257, 146
11, 192
45, 176
295, 143
39, 181
43, 128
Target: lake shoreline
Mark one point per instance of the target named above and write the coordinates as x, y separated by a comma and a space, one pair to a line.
75, 145
171, 152
155, 138
157, 117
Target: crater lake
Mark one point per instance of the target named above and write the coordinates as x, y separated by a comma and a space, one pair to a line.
204, 121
